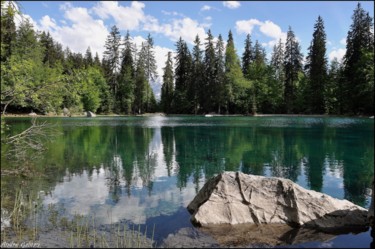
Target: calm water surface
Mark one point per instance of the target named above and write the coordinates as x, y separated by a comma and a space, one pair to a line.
146, 170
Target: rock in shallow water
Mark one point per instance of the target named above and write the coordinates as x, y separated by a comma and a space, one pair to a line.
237, 198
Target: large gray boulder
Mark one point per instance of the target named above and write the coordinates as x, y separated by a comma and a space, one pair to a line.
237, 198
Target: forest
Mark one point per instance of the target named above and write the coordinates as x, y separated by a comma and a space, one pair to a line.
38, 74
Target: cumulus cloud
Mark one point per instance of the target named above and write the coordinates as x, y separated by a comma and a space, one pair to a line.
343, 41
206, 7
186, 28
172, 13
127, 18
79, 35
337, 53
267, 28
232, 4
246, 26
134, 18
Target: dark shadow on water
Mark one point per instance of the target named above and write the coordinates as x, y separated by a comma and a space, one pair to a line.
166, 224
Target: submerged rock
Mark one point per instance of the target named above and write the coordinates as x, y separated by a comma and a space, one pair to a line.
238, 198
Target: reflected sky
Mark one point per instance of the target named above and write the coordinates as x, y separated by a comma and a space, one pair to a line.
141, 169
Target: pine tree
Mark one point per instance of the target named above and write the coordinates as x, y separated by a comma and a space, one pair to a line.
150, 66
209, 72
194, 94
358, 89
220, 74
247, 56
292, 67
278, 76
8, 29
332, 91
52, 50
182, 76
140, 96
277, 61
97, 62
112, 58
316, 66
167, 89
256, 72
125, 96
88, 57
236, 86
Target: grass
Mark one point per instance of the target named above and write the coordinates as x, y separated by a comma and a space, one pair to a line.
79, 231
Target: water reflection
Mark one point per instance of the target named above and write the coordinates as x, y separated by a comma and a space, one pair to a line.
138, 168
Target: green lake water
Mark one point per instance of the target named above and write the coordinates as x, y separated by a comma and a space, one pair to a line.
146, 170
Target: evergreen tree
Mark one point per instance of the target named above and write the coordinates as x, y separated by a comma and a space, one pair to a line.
236, 86
278, 76
112, 58
140, 96
247, 56
182, 76
97, 62
125, 95
194, 94
220, 74
88, 58
209, 87
332, 93
256, 72
316, 66
359, 89
277, 61
150, 66
292, 67
8, 29
53, 53
167, 89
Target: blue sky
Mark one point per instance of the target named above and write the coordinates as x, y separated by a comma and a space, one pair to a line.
79, 24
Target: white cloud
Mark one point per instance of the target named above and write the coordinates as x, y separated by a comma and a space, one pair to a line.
338, 53
329, 42
77, 36
246, 26
133, 18
267, 28
186, 28
172, 13
18, 19
206, 7
343, 41
47, 23
232, 4
127, 18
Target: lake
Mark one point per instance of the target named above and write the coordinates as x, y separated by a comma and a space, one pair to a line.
146, 170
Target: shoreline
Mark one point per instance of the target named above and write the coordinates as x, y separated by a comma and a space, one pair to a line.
25, 115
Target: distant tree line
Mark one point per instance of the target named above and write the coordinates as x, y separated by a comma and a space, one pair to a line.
38, 74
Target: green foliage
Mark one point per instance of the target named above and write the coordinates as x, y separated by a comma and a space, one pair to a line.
237, 87
358, 88
37, 74
182, 77
317, 70
292, 69
167, 88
